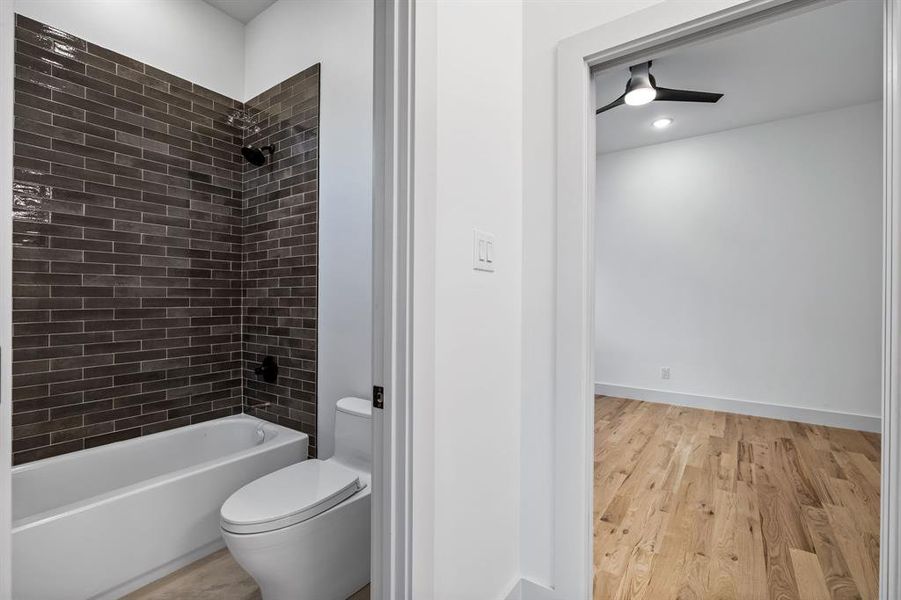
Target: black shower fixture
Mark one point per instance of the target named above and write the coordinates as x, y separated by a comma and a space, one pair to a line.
268, 370
255, 155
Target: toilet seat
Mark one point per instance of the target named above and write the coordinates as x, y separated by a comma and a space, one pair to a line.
288, 496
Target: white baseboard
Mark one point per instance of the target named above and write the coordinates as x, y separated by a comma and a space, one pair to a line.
515, 592
745, 407
530, 590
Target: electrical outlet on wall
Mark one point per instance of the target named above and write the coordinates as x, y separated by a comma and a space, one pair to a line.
664, 372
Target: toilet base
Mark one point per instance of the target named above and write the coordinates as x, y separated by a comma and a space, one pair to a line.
324, 558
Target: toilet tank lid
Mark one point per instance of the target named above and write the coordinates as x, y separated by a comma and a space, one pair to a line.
355, 406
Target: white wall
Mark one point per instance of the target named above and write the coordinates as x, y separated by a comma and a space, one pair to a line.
545, 24
470, 176
188, 38
286, 38
748, 261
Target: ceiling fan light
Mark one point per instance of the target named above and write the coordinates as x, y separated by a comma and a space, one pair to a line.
640, 95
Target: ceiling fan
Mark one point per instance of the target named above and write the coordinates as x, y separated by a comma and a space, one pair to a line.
642, 88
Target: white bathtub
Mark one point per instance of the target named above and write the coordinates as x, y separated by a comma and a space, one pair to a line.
100, 523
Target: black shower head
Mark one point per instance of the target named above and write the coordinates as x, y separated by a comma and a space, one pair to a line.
255, 155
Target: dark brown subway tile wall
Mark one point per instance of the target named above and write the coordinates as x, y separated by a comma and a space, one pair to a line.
281, 210
129, 242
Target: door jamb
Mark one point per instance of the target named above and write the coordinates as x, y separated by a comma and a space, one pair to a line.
392, 297
625, 41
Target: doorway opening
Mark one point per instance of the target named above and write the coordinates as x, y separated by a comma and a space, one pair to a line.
694, 329
738, 314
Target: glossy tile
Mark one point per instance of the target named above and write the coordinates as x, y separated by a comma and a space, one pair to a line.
281, 225
115, 291
153, 268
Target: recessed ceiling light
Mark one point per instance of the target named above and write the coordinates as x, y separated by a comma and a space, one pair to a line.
662, 123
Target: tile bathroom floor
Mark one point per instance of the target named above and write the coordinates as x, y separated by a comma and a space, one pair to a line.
215, 577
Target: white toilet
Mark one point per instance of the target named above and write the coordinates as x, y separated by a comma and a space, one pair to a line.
303, 532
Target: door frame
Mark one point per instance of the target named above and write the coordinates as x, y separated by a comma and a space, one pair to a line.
392, 297
626, 41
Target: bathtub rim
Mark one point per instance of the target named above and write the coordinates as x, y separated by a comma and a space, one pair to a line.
284, 436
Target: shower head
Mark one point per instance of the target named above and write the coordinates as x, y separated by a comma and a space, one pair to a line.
255, 155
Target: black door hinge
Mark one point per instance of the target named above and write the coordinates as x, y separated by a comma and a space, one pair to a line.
378, 396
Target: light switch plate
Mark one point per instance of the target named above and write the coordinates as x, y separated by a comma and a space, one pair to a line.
484, 251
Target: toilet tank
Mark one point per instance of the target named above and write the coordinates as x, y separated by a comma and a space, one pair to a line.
353, 433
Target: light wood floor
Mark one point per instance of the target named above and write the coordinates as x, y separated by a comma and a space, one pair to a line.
216, 577
693, 504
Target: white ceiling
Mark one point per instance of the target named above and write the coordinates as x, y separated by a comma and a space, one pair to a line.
242, 10
818, 60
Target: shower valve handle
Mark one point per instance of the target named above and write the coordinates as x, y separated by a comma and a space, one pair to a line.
268, 370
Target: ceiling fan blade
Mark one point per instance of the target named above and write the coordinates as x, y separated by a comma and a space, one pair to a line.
670, 95
614, 104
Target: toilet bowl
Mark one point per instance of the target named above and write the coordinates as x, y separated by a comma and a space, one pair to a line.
303, 532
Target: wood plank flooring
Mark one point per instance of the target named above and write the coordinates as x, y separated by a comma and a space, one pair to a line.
693, 504
215, 577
